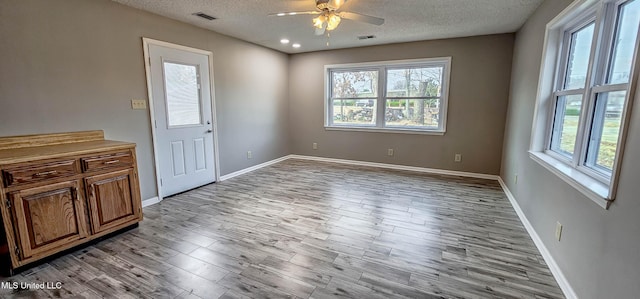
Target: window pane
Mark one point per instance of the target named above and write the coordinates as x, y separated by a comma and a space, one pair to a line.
578, 61
624, 42
415, 113
565, 125
358, 84
354, 112
183, 96
414, 82
605, 130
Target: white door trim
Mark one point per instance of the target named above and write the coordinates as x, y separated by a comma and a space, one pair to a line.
146, 42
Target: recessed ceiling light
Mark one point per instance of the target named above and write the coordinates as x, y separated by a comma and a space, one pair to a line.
284, 41
293, 13
296, 46
281, 14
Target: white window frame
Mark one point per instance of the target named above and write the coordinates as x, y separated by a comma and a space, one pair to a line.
382, 67
594, 182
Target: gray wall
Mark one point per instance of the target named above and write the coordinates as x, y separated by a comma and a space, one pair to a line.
600, 250
73, 65
481, 68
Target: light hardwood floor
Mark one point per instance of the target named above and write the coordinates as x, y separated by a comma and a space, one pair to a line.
301, 229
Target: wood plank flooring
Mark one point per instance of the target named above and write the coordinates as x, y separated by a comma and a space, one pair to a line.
301, 229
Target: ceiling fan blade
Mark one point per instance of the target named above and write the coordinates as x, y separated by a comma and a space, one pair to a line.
362, 18
293, 13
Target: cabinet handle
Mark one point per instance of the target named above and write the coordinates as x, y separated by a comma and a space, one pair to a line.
111, 162
75, 193
91, 191
46, 173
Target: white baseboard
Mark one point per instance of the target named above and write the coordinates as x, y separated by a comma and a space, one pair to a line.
150, 201
398, 167
252, 168
553, 266
361, 163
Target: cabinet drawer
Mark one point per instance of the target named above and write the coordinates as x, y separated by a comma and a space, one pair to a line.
21, 175
117, 160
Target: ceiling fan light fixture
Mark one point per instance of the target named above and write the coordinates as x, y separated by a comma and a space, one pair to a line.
333, 22
318, 21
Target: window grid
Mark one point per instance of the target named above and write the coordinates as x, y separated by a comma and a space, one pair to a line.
566, 90
596, 95
383, 113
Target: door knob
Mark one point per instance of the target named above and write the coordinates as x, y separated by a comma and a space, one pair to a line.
209, 131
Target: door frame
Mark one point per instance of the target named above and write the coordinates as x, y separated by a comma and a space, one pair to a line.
146, 42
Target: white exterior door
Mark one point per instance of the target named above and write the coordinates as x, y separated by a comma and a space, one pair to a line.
182, 104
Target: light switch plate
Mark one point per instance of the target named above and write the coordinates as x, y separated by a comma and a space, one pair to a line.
138, 104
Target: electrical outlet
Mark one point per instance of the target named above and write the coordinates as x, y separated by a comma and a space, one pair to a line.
315, 146
249, 155
390, 152
138, 104
458, 158
558, 231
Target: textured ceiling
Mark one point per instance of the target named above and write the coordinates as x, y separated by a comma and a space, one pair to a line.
405, 20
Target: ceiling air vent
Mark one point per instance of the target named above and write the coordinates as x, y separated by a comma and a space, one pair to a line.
363, 37
204, 16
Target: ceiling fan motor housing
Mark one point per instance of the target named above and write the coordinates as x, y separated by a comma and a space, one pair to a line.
330, 5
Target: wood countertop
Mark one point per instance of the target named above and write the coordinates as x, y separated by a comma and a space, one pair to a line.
36, 147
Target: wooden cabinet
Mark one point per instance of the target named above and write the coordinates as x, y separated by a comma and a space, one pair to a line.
112, 199
61, 190
47, 217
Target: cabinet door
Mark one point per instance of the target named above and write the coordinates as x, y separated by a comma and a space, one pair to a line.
48, 217
113, 199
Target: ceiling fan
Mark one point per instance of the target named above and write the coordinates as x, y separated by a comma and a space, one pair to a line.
329, 16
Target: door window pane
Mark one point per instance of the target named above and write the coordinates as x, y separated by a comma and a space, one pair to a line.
624, 42
414, 113
183, 94
605, 130
356, 84
578, 60
565, 126
354, 112
414, 82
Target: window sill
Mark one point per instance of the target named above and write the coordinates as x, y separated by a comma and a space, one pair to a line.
385, 130
590, 187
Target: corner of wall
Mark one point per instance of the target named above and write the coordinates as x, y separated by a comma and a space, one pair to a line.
548, 258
